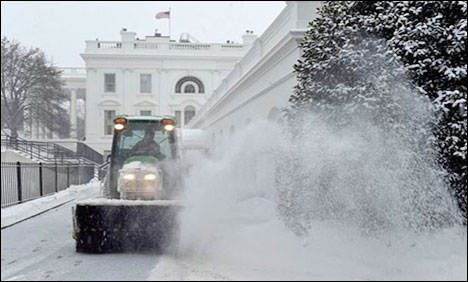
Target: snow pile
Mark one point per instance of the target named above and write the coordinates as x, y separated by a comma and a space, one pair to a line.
234, 224
20, 212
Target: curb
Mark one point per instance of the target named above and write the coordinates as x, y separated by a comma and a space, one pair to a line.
34, 215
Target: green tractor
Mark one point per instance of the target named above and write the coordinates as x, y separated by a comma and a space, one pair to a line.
138, 210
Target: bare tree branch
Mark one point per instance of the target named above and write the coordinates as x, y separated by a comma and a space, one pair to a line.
29, 79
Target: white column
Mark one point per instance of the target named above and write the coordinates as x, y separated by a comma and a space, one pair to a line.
73, 117
126, 108
157, 90
164, 93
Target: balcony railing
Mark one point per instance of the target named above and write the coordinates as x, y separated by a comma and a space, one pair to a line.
173, 46
145, 45
72, 70
189, 46
109, 45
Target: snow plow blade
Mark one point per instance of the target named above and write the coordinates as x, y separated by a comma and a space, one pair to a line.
109, 226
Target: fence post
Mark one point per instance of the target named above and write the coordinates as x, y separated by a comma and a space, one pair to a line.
18, 174
68, 175
56, 178
15, 142
79, 173
41, 192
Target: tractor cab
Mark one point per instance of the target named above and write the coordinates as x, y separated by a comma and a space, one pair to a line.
144, 149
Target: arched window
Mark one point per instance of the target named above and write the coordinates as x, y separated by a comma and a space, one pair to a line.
189, 88
201, 87
189, 112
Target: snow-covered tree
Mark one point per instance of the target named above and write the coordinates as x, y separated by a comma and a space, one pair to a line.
31, 89
428, 38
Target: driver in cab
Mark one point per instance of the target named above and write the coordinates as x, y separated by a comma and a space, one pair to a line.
147, 146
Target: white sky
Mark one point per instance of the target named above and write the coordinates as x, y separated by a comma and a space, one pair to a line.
60, 28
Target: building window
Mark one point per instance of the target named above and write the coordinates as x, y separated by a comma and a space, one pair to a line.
178, 116
145, 112
196, 81
189, 88
189, 112
109, 82
109, 117
145, 83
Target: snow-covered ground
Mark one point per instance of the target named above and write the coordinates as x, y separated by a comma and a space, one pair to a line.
248, 241
254, 245
42, 248
17, 213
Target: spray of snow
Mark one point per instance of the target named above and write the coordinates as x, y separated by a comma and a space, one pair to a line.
356, 195
241, 215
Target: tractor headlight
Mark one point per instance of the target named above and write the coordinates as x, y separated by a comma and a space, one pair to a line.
127, 181
169, 127
150, 176
119, 126
129, 176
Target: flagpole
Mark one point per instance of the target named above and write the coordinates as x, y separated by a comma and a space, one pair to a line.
170, 23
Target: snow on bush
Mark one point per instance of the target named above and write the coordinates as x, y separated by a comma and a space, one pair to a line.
428, 38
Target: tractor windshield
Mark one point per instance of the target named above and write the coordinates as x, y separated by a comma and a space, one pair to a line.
144, 138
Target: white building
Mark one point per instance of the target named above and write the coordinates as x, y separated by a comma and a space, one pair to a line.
258, 87
151, 76
262, 82
75, 85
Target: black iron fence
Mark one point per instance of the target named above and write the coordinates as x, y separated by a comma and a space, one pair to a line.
51, 152
103, 169
26, 181
84, 151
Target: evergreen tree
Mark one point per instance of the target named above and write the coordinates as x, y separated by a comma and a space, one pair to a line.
427, 37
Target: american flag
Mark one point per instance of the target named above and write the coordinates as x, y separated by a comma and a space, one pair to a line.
163, 15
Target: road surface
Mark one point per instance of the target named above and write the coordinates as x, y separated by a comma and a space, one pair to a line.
42, 248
